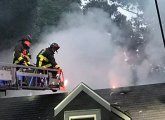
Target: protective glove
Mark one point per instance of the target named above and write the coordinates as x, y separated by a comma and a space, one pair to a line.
58, 76
57, 66
31, 65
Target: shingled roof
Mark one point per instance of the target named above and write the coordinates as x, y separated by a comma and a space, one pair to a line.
83, 88
145, 102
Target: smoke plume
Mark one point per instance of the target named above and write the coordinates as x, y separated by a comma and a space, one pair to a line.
89, 54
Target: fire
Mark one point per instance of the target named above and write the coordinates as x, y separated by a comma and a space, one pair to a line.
114, 81
65, 82
113, 86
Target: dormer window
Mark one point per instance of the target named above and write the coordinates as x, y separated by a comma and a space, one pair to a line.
91, 114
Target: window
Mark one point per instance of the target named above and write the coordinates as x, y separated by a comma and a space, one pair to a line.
84, 119
92, 114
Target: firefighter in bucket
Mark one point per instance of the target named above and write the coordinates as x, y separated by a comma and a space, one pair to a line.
45, 59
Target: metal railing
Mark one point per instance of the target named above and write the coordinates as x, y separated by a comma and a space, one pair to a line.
10, 74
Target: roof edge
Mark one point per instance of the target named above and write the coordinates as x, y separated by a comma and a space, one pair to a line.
75, 92
120, 113
83, 87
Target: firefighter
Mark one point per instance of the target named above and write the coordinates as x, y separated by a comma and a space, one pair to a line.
45, 59
21, 51
22, 57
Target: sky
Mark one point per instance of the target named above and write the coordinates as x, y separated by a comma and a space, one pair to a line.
88, 54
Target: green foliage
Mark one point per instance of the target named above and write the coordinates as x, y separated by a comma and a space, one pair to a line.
21, 17
50, 11
101, 4
16, 20
133, 35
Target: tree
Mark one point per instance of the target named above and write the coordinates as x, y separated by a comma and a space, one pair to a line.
133, 31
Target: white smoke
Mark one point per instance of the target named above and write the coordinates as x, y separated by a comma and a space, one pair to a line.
88, 53
87, 49
155, 49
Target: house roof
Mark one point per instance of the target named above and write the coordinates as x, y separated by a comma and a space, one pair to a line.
30, 108
83, 87
145, 102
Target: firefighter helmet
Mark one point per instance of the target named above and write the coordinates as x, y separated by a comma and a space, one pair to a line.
54, 47
27, 40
